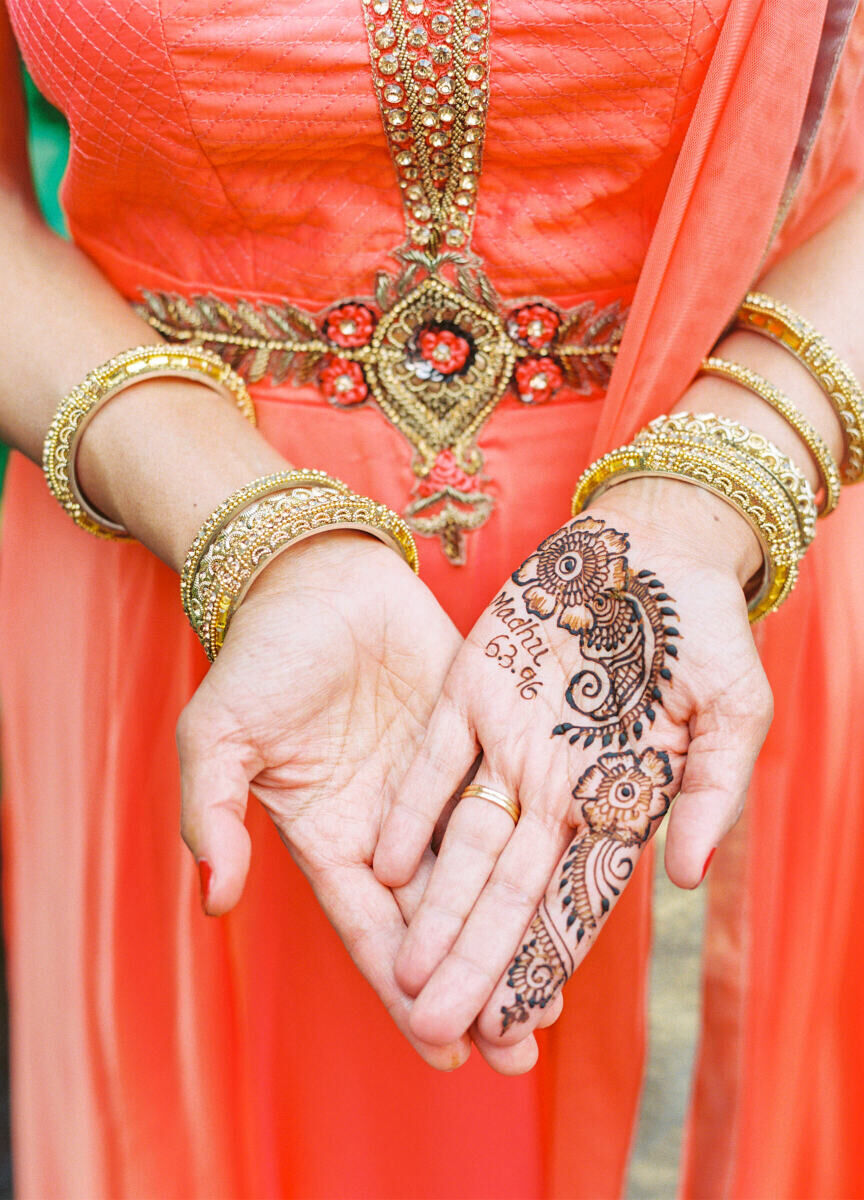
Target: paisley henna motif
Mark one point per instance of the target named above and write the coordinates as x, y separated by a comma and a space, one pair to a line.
580, 576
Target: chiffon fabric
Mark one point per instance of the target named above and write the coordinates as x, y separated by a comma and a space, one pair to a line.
637, 152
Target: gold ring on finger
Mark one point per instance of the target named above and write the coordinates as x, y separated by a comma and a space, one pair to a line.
511, 807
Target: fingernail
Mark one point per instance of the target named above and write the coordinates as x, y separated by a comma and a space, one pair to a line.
707, 864
205, 873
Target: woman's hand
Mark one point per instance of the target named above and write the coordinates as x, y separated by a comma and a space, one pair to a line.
614, 667
317, 702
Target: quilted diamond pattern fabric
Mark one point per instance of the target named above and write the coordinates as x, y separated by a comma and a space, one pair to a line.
238, 145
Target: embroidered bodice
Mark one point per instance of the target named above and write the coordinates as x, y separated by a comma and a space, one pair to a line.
427, 205
238, 144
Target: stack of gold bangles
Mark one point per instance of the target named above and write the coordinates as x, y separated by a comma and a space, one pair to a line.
260, 521
745, 469
268, 515
246, 531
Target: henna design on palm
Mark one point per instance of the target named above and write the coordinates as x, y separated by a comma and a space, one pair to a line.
621, 620
621, 798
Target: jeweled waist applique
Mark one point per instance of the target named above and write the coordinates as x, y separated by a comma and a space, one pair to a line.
435, 348
435, 358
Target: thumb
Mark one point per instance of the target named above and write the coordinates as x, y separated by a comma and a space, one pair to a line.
215, 791
720, 761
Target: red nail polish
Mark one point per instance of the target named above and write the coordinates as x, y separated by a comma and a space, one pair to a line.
205, 872
707, 864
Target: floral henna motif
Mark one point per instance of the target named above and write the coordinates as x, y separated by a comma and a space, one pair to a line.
570, 569
580, 576
622, 794
621, 799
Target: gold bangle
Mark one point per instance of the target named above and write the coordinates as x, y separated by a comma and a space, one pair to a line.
101, 385
266, 528
761, 387
733, 477
709, 429
282, 481
761, 314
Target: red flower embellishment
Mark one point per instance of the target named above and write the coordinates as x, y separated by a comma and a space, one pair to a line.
444, 350
537, 379
446, 473
342, 382
350, 325
534, 324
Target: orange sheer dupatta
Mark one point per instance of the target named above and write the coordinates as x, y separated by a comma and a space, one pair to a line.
714, 228
719, 211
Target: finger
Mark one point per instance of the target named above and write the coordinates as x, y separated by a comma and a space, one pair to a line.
624, 798
461, 985
214, 793
477, 833
506, 1060
366, 916
444, 759
550, 1014
720, 761
408, 897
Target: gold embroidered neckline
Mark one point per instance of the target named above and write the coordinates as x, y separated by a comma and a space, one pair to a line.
430, 68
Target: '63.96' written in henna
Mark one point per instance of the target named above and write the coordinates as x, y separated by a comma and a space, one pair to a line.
622, 623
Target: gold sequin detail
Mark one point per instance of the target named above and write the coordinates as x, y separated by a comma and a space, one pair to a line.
439, 59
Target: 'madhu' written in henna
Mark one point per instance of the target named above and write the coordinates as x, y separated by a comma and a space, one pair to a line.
522, 629
620, 621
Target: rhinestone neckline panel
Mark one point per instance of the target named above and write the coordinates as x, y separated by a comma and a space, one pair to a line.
430, 68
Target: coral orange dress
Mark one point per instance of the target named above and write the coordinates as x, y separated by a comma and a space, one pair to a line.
254, 152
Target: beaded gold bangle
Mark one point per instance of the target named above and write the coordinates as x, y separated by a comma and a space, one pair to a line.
101, 385
253, 537
731, 475
708, 429
761, 314
761, 387
281, 481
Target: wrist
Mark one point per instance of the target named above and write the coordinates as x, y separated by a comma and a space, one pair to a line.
329, 555
690, 518
725, 398
163, 455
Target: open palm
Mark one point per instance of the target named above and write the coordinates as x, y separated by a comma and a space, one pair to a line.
613, 655
316, 704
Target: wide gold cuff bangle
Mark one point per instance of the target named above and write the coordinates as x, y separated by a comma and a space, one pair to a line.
103, 384
266, 485
761, 314
247, 541
761, 387
706, 429
732, 475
